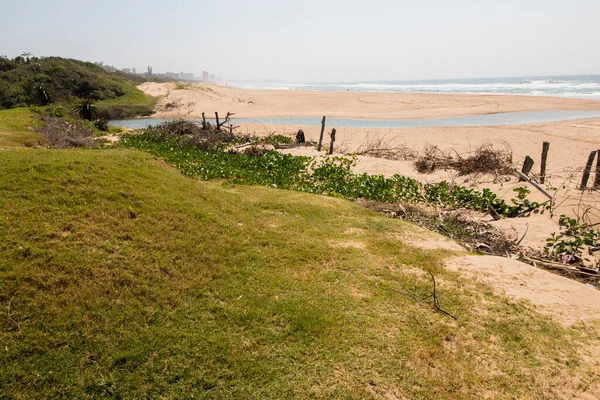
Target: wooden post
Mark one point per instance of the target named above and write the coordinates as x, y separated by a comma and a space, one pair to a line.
332, 141
203, 122
322, 132
527, 165
587, 170
545, 148
597, 178
217, 117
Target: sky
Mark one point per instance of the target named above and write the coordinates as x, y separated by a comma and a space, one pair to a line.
314, 40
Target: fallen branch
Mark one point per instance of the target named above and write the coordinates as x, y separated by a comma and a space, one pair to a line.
558, 266
433, 295
534, 184
523, 237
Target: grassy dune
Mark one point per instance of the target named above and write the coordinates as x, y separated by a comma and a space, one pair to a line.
16, 129
121, 278
133, 103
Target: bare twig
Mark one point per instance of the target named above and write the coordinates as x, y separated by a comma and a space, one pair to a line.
10, 314
433, 295
523, 237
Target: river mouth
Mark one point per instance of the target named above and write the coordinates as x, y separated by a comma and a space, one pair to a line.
511, 118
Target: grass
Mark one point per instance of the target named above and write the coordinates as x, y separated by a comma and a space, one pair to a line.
16, 129
121, 278
132, 104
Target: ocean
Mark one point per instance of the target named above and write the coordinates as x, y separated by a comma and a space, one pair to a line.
581, 86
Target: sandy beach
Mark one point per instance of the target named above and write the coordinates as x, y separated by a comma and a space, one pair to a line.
191, 100
570, 141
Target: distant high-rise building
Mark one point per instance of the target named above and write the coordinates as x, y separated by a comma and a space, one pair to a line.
149, 70
212, 78
205, 76
133, 71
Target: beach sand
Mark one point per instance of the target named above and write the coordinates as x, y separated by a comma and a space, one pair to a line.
570, 141
191, 100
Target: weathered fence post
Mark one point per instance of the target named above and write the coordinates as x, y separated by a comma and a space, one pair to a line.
527, 165
217, 117
332, 141
545, 148
597, 178
203, 122
587, 170
322, 132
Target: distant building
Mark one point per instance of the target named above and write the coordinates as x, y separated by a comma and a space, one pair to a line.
212, 78
186, 75
133, 71
204, 76
126, 70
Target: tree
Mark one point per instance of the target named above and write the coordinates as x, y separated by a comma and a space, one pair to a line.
85, 108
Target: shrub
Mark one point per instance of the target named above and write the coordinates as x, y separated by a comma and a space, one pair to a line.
486, 159
328, 175
63, 134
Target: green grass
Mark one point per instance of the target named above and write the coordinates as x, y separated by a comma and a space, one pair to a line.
133, 103
16, 129
121, 278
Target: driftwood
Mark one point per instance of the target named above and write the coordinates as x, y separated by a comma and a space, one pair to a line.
293, 145
220, 124
562, 267
534, 184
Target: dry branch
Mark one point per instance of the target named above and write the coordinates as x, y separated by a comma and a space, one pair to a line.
486, 159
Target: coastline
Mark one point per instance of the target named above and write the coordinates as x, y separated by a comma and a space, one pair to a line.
570, 141
190, 100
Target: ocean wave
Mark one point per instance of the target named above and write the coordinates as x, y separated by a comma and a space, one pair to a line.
557, 86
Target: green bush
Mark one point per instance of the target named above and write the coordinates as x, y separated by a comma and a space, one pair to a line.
35, 81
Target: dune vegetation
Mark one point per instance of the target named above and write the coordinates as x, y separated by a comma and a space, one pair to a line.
32, 81
122, 278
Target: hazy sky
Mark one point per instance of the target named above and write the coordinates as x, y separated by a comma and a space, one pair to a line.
314, 40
